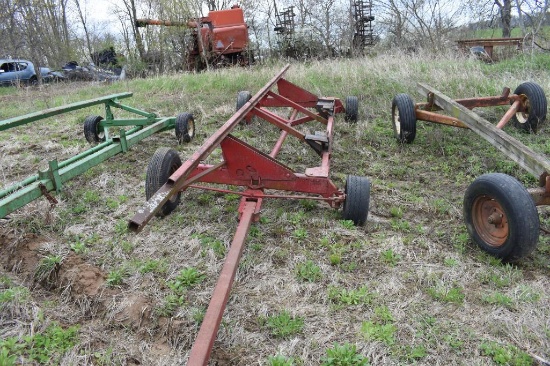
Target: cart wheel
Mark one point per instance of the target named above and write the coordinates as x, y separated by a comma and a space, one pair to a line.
535, 107
352, 109
501, 216
403, 118
356, 204
242, 98
163, 164
185, 127
92, 131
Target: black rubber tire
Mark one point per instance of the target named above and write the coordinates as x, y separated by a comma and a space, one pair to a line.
242, 98
356, 204
500, 197
162, 165
352, 109
536, 105
403, 118
185, 127
92, 131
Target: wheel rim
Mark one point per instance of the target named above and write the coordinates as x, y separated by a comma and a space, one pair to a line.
490, 221
191, 128
397, 122
523, 115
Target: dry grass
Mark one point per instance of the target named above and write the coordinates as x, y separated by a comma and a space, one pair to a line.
448, 302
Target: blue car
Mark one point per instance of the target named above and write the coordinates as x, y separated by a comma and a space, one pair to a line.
17, 72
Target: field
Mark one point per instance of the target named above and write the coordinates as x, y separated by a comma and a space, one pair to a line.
78, 288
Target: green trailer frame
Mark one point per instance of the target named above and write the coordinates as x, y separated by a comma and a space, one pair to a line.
57, 173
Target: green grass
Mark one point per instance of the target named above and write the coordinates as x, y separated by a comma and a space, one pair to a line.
283, 324
410, 287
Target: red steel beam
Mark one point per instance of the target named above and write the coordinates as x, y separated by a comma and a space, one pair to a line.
200, 352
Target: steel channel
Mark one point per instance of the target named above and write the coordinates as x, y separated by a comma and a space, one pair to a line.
200, 352
79, 164
177, 180
533, 162
31, 117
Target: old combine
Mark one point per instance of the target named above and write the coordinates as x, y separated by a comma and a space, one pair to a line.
219, 39
500, 214
259, 174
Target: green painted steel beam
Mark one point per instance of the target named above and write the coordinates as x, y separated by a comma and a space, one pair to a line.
31, 117
75, 166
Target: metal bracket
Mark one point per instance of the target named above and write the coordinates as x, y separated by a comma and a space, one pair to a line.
122, 140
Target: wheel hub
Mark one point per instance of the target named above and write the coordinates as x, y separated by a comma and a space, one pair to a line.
523, 115
490, 221
397, 123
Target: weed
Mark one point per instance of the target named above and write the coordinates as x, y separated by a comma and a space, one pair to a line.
14, 294
383, 315
121, 227
497, 298
308, 205
283, 324
300, 234
308, 271
153, 265
344, 355
390, 257
342, 296
42, 348
198, 315
280, 360
379, 332
450, 262
215, 245
454, 294
46, 271
505, 355
116, 277
414, 353
396, 212
169, 305
186, 278
347, 224
79, 247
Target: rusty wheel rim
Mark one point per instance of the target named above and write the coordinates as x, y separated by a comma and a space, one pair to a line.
490, 221
523, 115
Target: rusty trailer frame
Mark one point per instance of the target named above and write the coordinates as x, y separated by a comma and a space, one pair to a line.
500, 214
255, 172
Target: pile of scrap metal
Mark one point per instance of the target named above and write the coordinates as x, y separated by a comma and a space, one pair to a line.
105, 67
74, 72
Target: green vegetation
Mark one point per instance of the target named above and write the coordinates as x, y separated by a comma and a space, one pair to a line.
308, 271
344, 355
283, 324
46, 347
410, 287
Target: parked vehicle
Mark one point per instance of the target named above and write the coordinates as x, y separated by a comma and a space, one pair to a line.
14, 72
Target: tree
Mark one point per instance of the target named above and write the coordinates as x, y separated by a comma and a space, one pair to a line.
505, 10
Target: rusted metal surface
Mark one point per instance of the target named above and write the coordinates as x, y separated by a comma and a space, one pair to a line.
177, 181
439, 118
541, 195
256, 171
200, 352
516, 106
536, 164
489, 43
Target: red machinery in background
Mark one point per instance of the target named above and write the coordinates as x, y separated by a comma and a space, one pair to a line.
223, 38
